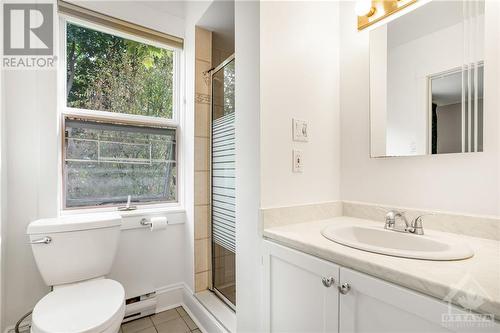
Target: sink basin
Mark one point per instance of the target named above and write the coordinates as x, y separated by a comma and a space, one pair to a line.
431, 246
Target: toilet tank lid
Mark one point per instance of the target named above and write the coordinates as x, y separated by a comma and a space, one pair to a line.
74, 223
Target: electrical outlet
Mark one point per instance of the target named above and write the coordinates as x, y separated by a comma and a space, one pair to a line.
300, 130
298, 163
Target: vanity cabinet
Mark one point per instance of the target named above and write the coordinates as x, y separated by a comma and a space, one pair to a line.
373, 305
298, 297
300, 292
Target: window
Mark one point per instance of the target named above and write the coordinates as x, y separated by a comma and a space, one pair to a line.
119, 118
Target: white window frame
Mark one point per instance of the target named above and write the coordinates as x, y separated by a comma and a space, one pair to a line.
113, 117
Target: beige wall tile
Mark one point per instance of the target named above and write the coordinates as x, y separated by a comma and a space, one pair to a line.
203, 42
201, 218
219, 55
202, 120
202, 131
219, 262
229, 264
218, 111
202, 85
202, 99
216, 57
200, 255
200, 154
201, 187
201, 281
226, 54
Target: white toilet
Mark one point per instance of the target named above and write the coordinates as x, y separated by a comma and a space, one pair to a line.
73, 255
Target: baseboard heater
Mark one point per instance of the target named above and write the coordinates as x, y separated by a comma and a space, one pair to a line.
140, 306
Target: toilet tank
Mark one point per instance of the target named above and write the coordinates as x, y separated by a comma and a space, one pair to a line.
73, 248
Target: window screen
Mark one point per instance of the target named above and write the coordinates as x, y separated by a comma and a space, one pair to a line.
104, 163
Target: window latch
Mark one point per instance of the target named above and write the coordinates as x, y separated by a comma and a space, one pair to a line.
127, 206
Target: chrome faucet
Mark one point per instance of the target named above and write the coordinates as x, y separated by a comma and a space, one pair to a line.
415, 227
391, 218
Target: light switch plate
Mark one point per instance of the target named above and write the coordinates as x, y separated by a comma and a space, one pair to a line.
300, 130
298, 162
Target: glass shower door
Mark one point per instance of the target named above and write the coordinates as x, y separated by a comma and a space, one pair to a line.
223, 182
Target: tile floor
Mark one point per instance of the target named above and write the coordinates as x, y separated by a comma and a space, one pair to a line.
171, 321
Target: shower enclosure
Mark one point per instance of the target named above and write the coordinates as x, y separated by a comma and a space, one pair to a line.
223, 182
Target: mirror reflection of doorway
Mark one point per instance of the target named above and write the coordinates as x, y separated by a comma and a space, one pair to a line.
456, 110
223, 182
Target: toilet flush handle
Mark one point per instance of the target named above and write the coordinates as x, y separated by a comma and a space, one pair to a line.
44, 240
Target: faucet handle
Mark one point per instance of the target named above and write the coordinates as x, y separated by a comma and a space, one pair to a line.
394, 213
390, 218
416, 225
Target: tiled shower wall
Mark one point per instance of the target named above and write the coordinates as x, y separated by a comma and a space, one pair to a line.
201, 157
220, 54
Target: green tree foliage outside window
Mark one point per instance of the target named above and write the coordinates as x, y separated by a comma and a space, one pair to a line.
111, 73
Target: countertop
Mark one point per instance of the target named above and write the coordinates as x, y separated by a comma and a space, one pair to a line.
476, 278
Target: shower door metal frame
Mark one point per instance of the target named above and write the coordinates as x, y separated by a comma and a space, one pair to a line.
211, 278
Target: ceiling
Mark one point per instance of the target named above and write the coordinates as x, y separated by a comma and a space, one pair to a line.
447, 89
175, 8
219, 18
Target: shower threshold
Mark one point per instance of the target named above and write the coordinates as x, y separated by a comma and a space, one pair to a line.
222, 295
225, 315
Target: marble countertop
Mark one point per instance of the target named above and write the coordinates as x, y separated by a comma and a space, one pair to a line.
476, 278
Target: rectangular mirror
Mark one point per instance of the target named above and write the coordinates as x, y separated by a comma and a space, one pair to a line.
426, 81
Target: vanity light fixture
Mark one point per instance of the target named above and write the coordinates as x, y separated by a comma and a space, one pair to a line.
372, 11
364, 8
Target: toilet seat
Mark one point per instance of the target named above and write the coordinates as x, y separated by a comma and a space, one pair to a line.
95, 306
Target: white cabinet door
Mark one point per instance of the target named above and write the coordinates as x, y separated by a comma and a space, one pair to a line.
373, 305
295, 298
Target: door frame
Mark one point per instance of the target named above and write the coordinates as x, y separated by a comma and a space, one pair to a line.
212, 268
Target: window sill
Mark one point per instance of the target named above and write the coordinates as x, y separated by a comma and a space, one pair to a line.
150, 211
131, 219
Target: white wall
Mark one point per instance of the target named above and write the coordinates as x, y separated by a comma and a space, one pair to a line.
286, 66
31, 150
146, 261
299, 78
466, 183
248, 189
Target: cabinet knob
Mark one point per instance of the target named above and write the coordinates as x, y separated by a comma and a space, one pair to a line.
328, 281
344, 288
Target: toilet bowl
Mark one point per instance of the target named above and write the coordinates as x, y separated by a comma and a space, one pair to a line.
73, 255
95, 306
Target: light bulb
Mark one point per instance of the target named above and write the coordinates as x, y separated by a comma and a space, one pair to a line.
363, 7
